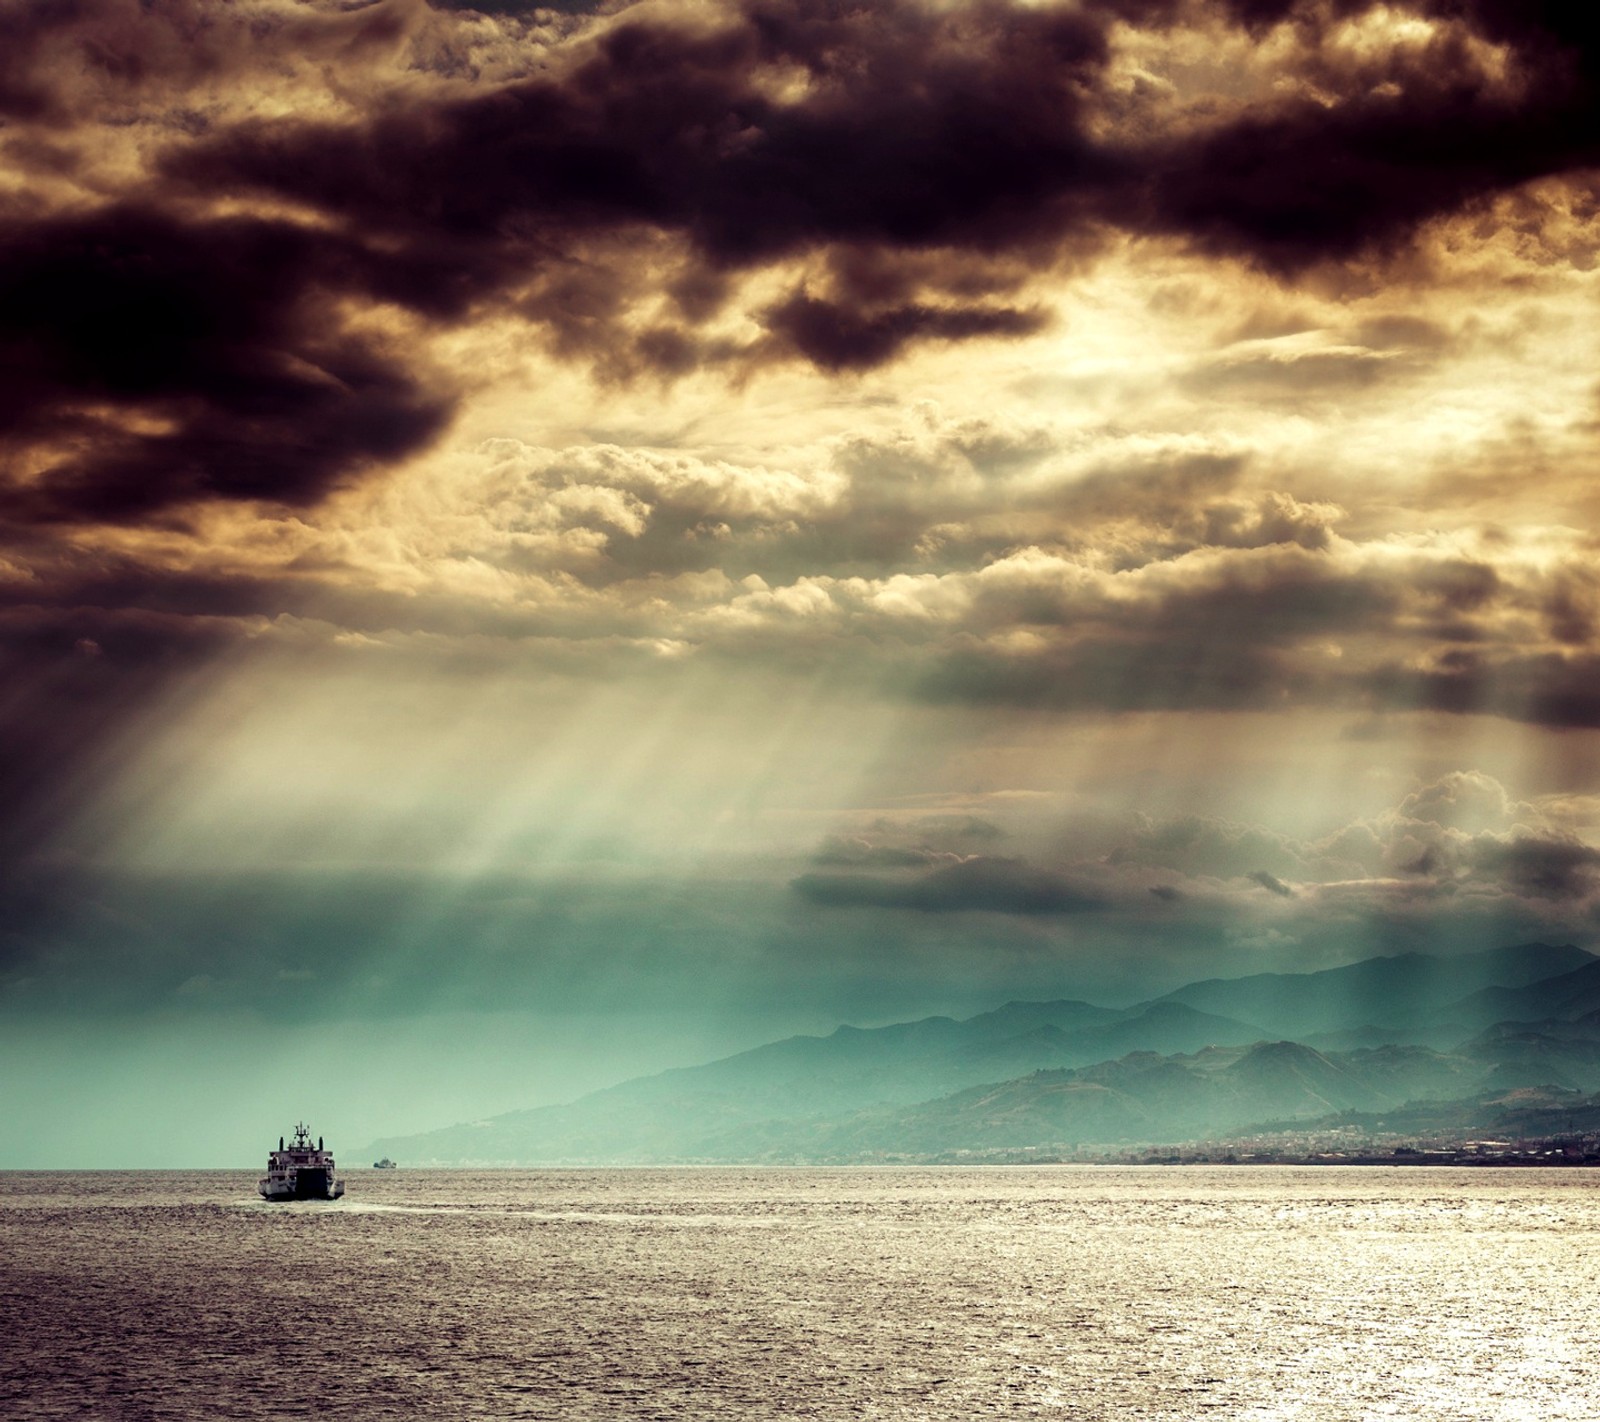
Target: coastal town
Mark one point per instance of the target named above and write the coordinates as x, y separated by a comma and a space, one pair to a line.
1319, 1147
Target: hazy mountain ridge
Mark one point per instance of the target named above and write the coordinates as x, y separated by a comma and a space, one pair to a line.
1068, 1072
1569, 995
1141, 1097
1404, 993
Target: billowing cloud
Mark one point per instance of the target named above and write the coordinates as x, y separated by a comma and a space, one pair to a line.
931, 160
153, 362
1455, 851
773, 128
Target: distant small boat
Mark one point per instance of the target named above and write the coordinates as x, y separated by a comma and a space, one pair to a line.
300, 1170
384, 1164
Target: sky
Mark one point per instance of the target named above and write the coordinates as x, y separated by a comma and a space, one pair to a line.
543, 543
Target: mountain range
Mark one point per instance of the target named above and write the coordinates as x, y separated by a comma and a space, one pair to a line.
1213, 1057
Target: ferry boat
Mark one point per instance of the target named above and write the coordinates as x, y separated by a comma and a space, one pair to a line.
384, 1164
300, 1170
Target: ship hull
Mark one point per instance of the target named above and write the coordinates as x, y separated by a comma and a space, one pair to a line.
304, 1184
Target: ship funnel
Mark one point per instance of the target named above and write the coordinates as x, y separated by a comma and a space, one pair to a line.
319, 1142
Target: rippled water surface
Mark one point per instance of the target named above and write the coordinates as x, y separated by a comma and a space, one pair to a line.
1080, 1293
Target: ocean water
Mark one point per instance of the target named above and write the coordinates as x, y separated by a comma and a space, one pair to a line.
1059, 1292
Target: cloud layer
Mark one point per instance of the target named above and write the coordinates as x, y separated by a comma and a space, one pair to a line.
217, 309
1104, 365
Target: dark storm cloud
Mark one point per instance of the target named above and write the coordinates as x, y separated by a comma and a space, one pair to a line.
1304, 184
1272, 884
961, 130
526, 7
1540, 865
158, 361
977, 885
1408, 136
969, 129
155, 356
57, 56
833, 337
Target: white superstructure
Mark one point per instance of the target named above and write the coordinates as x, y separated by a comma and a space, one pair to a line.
300, 1170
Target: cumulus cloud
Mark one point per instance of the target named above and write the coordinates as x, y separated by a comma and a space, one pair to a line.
1464, 800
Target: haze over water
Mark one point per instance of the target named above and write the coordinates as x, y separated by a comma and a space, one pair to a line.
1323, 1295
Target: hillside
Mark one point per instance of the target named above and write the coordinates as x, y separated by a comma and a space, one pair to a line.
1063, 1071
1142, 1097
1404, 994
1566, 996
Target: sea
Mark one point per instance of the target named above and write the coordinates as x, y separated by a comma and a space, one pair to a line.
1080, 1293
